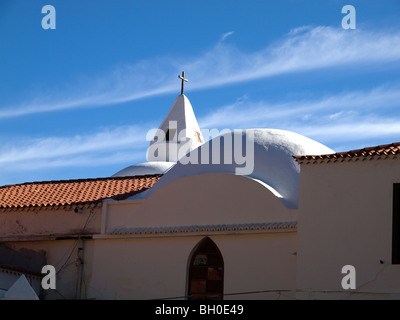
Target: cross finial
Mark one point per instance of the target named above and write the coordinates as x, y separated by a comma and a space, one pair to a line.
182, 77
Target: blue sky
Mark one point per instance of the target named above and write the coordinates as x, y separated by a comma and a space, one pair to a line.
77, 101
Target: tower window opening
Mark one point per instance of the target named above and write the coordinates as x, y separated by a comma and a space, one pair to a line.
170, 134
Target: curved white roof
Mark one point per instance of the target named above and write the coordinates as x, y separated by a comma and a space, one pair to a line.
268, 160
154, 167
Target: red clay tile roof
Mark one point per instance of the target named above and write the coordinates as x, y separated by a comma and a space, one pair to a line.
378, 151
19, 271
72, 192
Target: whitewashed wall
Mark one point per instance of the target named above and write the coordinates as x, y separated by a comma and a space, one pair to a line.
345, 218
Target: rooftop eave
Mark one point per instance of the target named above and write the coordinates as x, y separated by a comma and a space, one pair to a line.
203, 230
306, 160
46, 237
63, 207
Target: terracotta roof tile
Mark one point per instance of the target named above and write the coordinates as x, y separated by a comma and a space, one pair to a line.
73, 192
382, 150
20, 271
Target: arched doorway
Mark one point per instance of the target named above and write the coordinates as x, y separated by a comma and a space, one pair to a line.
206, 272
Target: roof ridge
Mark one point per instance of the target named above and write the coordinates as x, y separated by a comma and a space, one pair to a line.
21, 270
65, 193
394, 147
387, 145
82, 180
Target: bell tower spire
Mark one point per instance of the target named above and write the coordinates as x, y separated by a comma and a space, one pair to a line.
178, 129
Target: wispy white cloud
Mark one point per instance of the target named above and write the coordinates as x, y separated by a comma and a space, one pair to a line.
298, 30
97, 99
302, 49
246, 113
343, 117
84, 160
107, 146
315, 48
361, 130
226, 35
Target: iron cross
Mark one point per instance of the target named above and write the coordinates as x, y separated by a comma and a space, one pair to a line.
182, 77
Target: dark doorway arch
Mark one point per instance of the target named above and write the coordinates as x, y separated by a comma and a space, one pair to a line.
206, 272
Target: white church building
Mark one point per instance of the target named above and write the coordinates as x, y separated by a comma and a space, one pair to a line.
250, 214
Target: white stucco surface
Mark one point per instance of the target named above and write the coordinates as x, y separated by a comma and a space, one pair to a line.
269, 152
198, 200
185, 132
151, 268
345, 218
153, 167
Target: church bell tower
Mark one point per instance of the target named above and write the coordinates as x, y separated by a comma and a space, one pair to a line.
178, 134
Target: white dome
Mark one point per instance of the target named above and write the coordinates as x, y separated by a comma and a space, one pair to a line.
155, 167
270, 158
